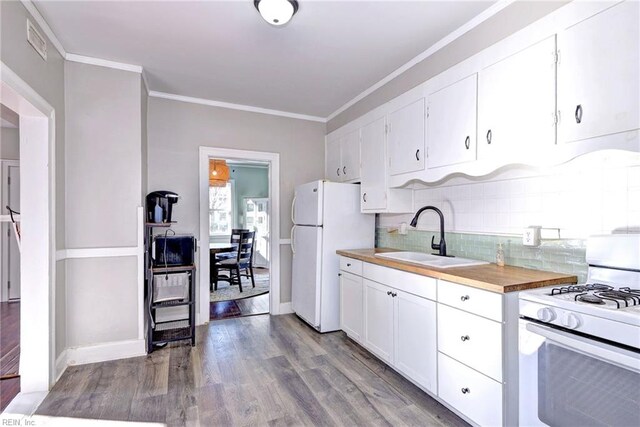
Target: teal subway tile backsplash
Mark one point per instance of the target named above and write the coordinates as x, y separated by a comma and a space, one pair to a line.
561, 256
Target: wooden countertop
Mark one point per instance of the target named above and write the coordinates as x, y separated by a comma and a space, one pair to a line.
486, 276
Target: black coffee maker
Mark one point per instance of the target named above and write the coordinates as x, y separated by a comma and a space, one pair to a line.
165, 201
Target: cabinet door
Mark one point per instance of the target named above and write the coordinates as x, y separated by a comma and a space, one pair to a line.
406, 138
351, 305
373, 171
378, 319
350, 152
451, 124
598, 69
416, 350
517, 105
333, 165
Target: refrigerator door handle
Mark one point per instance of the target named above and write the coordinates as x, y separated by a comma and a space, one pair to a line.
293, 207
293, 249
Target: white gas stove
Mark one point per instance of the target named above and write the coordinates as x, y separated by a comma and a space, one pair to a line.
580, 345
607, 306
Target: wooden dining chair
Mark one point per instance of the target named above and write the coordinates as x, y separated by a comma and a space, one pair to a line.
242, 264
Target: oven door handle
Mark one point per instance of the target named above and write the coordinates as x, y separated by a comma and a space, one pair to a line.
619, 356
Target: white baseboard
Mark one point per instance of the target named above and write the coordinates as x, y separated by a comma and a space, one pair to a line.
104, 352
285, 308
61, 365
23, 404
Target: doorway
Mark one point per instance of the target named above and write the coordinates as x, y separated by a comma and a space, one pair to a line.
37, 270
239, 219
247, 199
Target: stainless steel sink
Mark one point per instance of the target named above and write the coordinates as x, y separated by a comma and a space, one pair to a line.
430, 260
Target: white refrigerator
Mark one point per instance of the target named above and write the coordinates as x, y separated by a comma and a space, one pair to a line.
326, 217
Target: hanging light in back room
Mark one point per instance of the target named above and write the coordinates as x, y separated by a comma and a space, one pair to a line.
276, 12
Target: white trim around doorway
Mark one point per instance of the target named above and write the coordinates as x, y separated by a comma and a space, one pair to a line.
38, 257
275, 307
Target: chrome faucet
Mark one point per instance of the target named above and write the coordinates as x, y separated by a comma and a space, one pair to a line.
442, 246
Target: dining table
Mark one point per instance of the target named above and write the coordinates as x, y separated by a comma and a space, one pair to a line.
215, 249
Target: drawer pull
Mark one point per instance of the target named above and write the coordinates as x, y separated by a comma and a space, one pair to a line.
465, 390
464, 298
464, 338
393, 294
348, 265
388, 292
339, 274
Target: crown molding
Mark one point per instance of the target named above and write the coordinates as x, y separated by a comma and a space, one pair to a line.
44, 26
231, 106
474, 22
103, 63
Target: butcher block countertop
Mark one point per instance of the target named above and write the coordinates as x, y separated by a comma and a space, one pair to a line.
487, 276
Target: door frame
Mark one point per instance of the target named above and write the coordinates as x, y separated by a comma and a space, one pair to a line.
38, 242
4, 189
273, 159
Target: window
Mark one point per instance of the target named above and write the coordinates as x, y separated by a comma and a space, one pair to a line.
221, 210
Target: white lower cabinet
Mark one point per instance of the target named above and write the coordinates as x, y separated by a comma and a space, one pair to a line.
351, 316
475, 395
473, 340
462, 348
415, 339
378, 319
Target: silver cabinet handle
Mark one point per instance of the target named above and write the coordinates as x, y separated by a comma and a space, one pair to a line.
418, 154
338, 171
464, 338
467, 142
348, 265
344, 170
364, 197
465, 390
464, 298
489, 136
388, 292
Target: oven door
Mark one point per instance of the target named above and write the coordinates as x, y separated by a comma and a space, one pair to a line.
570, 380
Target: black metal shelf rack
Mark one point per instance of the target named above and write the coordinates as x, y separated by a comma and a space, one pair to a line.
160, 333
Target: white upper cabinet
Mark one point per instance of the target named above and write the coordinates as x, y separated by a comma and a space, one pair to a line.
451, 124
333, 162
342, 158
406, 138
350, 153
373, 186
598, 74
517, 105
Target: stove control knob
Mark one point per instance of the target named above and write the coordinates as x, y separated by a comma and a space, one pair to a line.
546, 314
571, 321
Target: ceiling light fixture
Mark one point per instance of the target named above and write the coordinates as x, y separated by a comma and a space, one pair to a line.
276, 12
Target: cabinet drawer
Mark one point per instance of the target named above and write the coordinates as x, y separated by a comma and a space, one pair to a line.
351, 265
474, 341
476, 396
415, 284
484, 303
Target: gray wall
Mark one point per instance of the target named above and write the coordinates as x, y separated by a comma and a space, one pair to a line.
508, 21
104, 120
9, 143
46, 78
178, 129
104, 187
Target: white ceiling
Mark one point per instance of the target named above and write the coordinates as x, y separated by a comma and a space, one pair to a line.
329, 53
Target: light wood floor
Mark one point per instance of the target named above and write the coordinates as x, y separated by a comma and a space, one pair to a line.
259, 370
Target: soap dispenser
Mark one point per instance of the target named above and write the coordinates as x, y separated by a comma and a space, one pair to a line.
500, 256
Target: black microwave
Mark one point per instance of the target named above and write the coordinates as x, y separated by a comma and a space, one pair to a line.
173, 251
